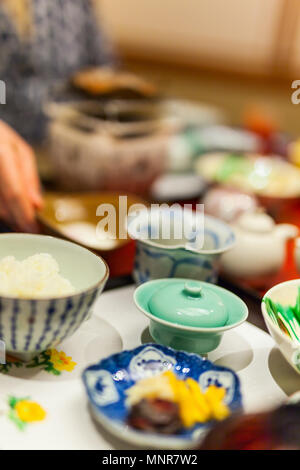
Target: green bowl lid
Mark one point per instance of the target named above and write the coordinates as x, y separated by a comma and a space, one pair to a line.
189, 304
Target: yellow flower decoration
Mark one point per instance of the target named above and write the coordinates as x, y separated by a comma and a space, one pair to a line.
29, 411
61, 361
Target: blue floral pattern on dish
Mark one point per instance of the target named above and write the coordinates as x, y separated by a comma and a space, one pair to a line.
120, 371
161, 255
180, 263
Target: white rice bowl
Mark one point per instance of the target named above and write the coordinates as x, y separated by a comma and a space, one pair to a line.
35, 277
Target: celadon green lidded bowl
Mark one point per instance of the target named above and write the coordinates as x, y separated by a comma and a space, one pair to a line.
187, 314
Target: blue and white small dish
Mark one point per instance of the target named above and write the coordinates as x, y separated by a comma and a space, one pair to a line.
106, 384
178, 242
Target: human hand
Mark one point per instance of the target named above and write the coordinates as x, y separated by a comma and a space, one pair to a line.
20, 193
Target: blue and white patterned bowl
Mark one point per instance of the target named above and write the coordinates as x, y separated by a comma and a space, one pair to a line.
107, 382
30, 326
195, 256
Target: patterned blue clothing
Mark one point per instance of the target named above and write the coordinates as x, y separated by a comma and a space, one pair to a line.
65, 38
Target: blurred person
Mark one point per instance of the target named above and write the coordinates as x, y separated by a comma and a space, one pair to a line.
274, 430
41, 43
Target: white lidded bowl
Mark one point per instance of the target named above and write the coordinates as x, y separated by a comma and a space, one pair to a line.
285, 293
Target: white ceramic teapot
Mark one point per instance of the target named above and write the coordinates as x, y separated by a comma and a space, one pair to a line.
260, 246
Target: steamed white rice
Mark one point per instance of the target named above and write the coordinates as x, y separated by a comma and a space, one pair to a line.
35, 277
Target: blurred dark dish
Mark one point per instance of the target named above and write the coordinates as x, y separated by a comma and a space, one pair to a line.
275, 430
155, 415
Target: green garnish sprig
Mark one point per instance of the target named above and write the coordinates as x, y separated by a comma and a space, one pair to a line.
287, 318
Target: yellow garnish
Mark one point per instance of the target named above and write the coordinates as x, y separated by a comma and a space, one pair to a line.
171, 377
194, 405
214, 395
199, 400
187, 411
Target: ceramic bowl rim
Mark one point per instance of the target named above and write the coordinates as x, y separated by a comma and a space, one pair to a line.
60, 240
266, 316
196, 329
210, 218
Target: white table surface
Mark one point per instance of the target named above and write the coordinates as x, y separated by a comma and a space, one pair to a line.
116, 324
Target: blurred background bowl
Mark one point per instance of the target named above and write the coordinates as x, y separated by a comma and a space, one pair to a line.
73, 216
86, 160
265, 176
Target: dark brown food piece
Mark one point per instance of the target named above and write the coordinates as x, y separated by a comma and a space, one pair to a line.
155, 415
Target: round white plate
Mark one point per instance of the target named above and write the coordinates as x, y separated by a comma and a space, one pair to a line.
266, 378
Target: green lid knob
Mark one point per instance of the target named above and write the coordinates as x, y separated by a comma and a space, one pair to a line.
192, 290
